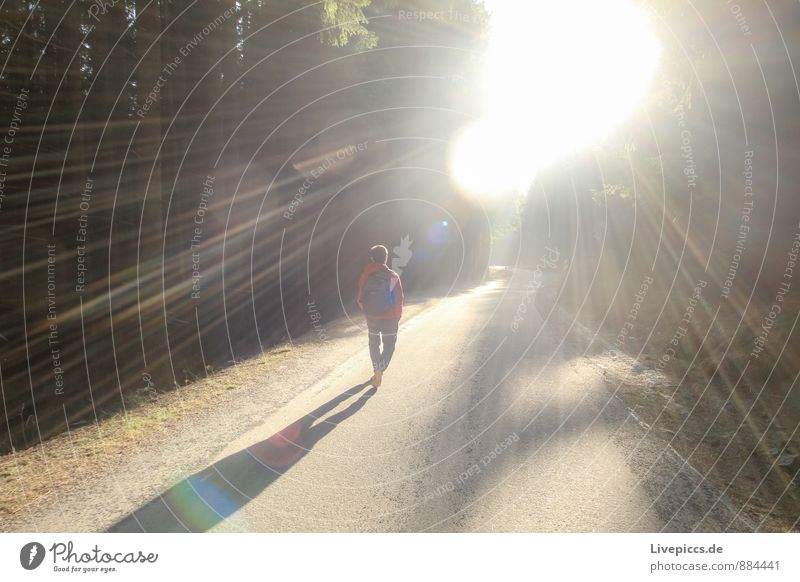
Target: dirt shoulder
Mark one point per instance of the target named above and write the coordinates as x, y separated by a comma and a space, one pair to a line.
736, 427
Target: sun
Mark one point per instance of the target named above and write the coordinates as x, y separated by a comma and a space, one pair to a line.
557, 76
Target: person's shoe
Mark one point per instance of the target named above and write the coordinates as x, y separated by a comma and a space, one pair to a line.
376, 379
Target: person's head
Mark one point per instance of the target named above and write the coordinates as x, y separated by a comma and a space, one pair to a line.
378, 254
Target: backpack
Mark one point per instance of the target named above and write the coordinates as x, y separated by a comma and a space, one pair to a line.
377, 295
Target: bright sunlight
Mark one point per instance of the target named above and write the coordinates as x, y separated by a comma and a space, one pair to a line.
557, 76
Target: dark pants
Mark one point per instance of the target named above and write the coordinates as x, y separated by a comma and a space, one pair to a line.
385, 329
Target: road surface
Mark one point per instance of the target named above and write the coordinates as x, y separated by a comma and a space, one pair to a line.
489, 419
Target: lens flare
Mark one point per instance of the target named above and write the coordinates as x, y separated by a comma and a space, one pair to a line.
557, 77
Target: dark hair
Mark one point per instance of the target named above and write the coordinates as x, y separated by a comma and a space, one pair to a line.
379, 253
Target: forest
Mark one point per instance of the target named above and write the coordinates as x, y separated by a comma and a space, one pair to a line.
603, 321
184, 185
180, 180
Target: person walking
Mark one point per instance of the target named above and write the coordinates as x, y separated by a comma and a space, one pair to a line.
380, 297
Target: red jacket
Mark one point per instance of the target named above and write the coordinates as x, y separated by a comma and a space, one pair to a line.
396, 311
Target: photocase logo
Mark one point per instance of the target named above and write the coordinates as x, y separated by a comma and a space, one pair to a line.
404, 254
31, 555
101, 7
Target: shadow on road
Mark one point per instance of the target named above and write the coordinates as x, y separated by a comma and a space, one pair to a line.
206, 498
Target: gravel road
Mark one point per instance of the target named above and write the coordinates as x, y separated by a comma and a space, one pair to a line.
489, 419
